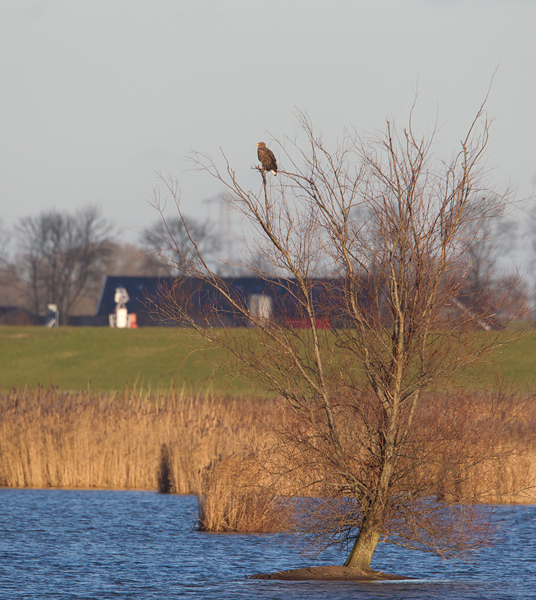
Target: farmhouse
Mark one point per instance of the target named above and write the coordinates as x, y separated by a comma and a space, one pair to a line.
272, 299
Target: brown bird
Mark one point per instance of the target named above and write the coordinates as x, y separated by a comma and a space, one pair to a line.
267, 158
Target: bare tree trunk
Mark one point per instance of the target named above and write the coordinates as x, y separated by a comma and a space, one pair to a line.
361, 554
373, 524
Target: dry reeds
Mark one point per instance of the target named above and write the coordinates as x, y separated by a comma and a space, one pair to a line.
130, 441
235, 498
228, 451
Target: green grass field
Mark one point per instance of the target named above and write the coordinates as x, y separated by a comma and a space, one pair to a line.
74, 358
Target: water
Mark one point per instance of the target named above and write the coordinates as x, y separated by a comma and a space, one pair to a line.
140, 546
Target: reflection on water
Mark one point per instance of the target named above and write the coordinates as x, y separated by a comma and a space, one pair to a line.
139, 545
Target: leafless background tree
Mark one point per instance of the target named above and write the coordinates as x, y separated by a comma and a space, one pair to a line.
529, 244
4, 246
9, 288
488, 247
174, 241
131, 260
62, 257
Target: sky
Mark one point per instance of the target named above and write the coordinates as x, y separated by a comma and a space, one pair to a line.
97, 98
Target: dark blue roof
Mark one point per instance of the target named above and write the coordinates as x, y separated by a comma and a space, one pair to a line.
148, 294
144, 292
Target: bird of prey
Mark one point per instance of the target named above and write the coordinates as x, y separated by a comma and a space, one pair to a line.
267, 158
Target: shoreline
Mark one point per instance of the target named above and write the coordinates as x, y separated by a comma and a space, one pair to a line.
527, 501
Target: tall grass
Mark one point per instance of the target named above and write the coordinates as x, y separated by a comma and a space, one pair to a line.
222, 449
55, 439
235, 496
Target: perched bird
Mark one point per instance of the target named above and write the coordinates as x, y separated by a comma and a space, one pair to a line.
267, 158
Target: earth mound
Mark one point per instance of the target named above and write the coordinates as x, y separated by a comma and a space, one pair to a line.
330, 573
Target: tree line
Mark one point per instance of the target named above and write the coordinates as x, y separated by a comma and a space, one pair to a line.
62, 257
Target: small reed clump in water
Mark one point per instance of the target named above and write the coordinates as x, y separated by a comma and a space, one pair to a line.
236, 497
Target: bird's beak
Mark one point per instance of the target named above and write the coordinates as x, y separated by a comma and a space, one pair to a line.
256, 144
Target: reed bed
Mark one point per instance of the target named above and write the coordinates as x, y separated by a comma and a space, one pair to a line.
222, 449
237, 496
264, 487
53, 439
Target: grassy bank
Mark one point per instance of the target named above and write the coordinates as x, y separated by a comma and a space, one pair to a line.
182, 426
103, 359
159, 358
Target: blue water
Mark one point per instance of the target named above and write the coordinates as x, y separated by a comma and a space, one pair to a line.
139, 545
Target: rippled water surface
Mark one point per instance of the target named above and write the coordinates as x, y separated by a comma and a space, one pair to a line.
139, 545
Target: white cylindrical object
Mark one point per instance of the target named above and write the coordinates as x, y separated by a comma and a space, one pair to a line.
260, 307
121, 318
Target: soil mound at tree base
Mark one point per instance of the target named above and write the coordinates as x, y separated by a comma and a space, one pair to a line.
328, 574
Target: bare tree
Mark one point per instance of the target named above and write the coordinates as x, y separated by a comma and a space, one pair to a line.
133, 260
530, 233
176, 240
390, 224
5, 240
10, 291
61, 257
488, 246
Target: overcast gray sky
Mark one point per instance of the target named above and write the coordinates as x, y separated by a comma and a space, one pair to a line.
98, 96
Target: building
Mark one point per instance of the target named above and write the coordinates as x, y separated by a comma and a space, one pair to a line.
271, 299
